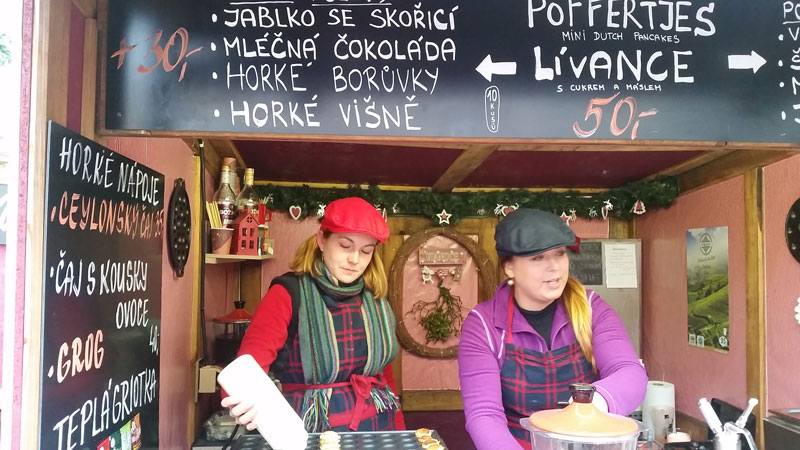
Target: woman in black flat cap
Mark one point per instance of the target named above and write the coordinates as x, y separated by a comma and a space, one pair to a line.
326, 331
542, 331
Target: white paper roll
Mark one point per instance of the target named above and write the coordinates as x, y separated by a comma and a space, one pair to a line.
658, 408
275, 419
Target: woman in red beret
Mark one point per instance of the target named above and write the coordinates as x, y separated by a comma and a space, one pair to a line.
326, 331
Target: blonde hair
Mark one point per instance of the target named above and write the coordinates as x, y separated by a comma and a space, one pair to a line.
579, 313
576, 303
308, 254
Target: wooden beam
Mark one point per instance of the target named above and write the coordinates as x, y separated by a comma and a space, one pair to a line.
465, 164
226, 148
197, 256
394, 187
735, 163
449, 400
755, 342
690, 164
89, 83
50, 55
211, 159
635, 146
87, 7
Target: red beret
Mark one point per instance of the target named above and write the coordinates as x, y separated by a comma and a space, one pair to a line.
354, 215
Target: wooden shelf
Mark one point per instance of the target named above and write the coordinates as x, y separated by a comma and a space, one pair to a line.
224, 259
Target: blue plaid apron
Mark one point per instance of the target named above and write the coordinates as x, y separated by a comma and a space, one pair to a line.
531, 381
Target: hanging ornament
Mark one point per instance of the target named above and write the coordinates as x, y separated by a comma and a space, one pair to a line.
567, 218
427, 275
592, 212
503, 210
295, 211
457, 272
607, 206
638, 208
380, 210
444, 217
481, 212
442, 273
320, 210
797, 311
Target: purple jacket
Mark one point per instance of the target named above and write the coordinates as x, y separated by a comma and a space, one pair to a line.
622, 381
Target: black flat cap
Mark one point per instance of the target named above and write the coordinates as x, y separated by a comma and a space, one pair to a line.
528, 232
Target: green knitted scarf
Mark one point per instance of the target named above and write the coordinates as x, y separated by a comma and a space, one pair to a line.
319, 348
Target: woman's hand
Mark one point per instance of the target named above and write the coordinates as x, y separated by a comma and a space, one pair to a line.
244, 411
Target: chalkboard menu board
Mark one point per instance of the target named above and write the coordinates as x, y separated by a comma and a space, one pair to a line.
102, 298
587, 266
599, 69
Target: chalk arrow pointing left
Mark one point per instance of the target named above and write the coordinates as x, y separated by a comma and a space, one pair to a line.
752, 61
487, 68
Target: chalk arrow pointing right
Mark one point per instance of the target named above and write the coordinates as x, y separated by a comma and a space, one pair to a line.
487, 68
752, 61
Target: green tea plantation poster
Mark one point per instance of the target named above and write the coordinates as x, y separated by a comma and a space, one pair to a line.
707, 287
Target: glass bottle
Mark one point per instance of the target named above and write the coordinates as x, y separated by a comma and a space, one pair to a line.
247, 200
225, 198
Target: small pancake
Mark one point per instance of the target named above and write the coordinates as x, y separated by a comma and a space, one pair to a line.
422, 432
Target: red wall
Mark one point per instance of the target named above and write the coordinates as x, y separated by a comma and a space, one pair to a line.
174, 159
782, 287
667, 355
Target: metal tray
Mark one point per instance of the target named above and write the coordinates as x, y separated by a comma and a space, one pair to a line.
350, 440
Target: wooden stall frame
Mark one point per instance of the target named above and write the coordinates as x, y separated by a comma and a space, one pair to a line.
756, 342
49, 65
50, 56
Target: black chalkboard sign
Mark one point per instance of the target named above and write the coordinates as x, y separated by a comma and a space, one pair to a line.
587, 266
610, 69
102, 298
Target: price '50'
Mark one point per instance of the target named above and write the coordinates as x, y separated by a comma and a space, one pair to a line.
594, 109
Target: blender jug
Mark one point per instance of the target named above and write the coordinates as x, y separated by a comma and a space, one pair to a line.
581, 426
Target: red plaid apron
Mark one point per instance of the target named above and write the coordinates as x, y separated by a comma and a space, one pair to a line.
351, 407
531, 381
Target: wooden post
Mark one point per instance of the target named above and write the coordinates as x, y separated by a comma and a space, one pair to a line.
621, 229
197, 256
89, 79
756, 350
48, 102
250, 284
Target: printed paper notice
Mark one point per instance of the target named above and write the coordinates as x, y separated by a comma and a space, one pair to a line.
620, 265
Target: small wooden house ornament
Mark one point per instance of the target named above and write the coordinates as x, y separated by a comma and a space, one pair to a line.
245, 234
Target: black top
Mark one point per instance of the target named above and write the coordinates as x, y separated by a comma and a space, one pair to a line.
541, 321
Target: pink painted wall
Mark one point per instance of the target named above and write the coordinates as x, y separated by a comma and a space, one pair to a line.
590, 229
667, 356
174, 159
288, 234
782, 287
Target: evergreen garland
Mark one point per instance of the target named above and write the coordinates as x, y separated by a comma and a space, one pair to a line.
655, 194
